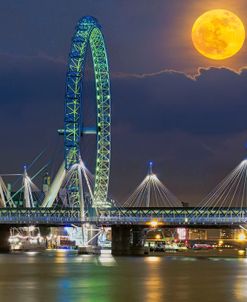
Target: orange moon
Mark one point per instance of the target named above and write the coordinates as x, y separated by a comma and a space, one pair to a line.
218, 34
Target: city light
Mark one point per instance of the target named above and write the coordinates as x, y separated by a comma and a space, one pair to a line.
154, 223
181, 233
241, 237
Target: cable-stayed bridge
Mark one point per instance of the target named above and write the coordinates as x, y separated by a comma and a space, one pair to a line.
151, 201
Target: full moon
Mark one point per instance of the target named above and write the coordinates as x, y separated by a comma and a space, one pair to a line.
218, 34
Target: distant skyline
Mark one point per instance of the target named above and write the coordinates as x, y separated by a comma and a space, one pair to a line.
170, 105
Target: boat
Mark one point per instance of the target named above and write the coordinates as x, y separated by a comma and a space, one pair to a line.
26, 239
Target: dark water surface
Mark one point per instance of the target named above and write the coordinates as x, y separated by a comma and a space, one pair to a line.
70, 278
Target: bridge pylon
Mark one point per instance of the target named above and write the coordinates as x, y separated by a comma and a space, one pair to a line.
151, 192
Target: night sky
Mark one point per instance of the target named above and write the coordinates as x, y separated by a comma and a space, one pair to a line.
186, 113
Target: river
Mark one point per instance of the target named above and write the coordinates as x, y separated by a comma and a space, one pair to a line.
63, 277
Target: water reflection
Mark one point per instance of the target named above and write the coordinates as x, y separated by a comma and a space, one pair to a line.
31, 254
240, 287
65, 277
153, 285
106, 259
63, 255
152, 259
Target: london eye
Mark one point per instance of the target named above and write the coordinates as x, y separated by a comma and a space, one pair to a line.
88, 36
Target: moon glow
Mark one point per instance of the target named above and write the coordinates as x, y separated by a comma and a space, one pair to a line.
218, 34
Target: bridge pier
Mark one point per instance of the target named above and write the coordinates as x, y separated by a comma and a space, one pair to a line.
120, 240
4, 236
137, 236
127, 240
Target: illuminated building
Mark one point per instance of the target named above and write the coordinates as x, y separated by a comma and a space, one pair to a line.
197, 234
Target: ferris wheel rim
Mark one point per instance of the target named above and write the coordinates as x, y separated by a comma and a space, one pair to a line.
88, 35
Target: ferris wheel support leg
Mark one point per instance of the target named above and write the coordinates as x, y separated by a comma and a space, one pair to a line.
2, 200
56, 185
90, 240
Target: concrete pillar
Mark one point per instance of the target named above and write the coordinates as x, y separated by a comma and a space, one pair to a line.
44, 231
137, 236
127, 240
137, 247
4, 237
121, 240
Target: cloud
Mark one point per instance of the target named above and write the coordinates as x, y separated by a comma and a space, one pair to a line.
194, 128
166, 116
212, 102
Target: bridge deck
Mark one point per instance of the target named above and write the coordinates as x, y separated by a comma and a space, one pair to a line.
113, 216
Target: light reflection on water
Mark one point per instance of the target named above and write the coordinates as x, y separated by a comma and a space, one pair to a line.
154, 288
240, 287
152, 259
65, 277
